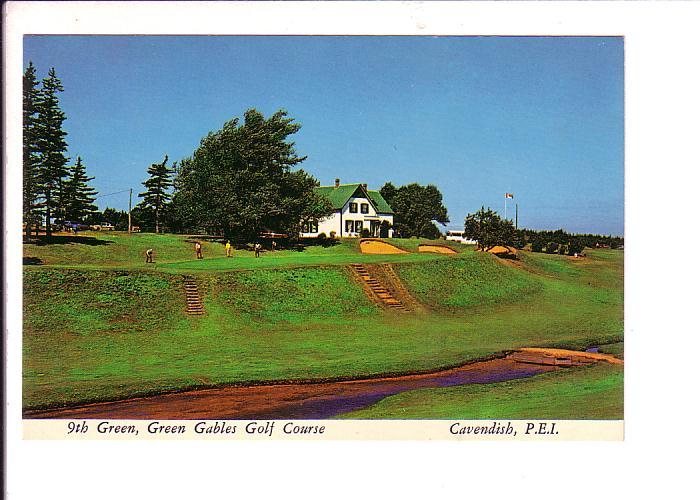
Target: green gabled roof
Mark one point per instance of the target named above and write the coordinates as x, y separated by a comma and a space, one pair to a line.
381, 204
339, 196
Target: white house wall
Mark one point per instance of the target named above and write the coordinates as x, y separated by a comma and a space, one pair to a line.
335, 222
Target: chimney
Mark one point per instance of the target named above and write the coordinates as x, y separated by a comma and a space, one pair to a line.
337, 183
365, 186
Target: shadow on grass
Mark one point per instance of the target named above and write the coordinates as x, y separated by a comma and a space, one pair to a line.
313, 242
31, 261
63, 240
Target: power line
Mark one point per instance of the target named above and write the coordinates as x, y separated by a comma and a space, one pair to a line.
110, 194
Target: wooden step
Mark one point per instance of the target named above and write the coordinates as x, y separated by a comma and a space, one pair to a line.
195, 307
377, 289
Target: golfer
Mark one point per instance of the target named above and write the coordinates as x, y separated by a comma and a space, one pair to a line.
198, 250
257, 247
228, 248
149, 256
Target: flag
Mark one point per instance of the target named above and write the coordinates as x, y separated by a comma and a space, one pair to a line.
509, 195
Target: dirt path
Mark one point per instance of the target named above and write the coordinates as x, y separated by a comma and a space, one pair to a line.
544, 355
309, 401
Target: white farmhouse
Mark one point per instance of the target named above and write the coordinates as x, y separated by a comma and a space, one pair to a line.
355, 208
459, 236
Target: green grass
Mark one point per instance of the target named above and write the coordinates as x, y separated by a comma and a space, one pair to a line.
292, 296
175, 254
475, 279
617, 349
594, 392
108, 249
288, 259
95, 332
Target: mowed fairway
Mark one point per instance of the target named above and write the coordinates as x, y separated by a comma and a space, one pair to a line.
100, 324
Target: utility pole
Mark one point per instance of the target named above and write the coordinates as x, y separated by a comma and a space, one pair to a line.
516, 216
130, 191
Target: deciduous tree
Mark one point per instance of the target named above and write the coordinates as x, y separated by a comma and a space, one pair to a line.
488, 229
240, 182
416, 209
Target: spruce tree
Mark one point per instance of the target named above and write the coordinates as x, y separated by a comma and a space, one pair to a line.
52, 146
157, 194
79, 196
30, 148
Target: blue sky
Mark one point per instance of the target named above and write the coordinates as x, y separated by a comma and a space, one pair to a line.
542, 118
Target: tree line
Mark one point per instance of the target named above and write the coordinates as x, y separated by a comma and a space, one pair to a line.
52, 189
490, 230
239, 182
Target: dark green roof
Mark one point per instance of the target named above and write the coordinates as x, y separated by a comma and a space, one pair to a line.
340, 195
380, 203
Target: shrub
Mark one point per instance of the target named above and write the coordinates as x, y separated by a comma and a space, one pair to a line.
575, 247
364, 233
332, 235
518, 241
537, 245
321, 236
562, 249
552, 247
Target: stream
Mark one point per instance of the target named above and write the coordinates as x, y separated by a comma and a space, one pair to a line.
293, 401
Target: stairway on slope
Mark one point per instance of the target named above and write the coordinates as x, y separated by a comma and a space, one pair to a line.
378, 291
195, 306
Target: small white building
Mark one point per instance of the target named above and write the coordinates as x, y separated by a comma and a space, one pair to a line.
355, 208
459, 236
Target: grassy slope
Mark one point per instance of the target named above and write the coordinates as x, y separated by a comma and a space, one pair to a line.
594, 392
175, 254
96, 339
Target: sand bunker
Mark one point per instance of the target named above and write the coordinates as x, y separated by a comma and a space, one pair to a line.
435, 249
378, 247
501, 250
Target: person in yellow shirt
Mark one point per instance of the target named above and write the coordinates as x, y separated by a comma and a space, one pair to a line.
228, 248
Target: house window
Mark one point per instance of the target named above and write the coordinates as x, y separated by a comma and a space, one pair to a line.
353, 208
311, 227
364, 208
358, 226
349, 226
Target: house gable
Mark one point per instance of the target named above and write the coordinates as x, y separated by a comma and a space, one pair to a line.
339, 196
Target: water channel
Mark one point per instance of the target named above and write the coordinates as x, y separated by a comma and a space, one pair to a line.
294, 401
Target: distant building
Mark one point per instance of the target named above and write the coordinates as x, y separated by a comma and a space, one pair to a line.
459, 236
355, 208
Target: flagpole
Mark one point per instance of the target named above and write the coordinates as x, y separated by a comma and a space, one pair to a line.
505, 207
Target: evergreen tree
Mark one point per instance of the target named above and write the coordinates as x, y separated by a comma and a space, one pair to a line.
157, 195
79, 196
51, 147
30, 148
